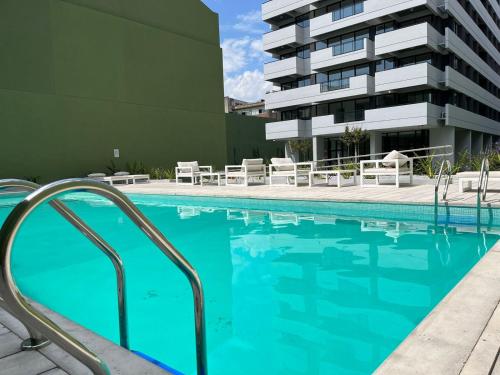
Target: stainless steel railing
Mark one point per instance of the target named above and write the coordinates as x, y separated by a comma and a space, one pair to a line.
73, 219
436, 151
33, 318
482, 187
445, 165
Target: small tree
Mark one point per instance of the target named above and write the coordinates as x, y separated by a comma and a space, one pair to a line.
301, 146
354, 136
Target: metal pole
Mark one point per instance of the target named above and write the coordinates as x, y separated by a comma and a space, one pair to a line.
34, 342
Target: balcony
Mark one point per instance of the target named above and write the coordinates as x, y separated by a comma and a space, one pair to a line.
421, 35
276, 8
347, 88
418, 76
288, 129
390, 118
373, 10
290, 36
294, 66
338, 56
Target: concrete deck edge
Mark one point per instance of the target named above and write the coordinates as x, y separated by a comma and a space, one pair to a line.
451, 335
119, 360
247, 193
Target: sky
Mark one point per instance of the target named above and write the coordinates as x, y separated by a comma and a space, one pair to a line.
241, 30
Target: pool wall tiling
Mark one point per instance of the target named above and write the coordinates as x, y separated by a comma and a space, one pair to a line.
393, 211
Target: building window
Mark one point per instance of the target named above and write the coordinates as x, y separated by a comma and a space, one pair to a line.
408, 140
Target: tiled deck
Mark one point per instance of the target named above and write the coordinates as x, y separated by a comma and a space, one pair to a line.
419, 194
53, 361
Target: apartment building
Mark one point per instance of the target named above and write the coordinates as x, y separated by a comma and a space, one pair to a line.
413, 73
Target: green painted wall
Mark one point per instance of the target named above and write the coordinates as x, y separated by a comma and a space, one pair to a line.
246, 138
79, 78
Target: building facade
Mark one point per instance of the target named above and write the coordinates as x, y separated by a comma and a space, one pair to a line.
80, 78
413, 73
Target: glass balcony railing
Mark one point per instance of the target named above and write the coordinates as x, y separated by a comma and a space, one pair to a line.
346, 47
341, 116
337, 84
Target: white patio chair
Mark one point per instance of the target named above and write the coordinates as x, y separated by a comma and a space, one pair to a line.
286, 169
191, 171
394, 164
254, 169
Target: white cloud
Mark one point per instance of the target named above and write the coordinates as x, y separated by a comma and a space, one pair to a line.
248, 86
235, 53
250, 22
239, 53
244, 59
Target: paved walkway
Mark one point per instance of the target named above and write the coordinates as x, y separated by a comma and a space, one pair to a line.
423, 194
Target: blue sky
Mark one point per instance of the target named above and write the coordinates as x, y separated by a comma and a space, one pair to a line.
241, 32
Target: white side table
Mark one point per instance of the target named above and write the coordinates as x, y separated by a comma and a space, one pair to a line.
217, 176
326, 174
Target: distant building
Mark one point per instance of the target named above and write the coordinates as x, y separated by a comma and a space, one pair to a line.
240, 107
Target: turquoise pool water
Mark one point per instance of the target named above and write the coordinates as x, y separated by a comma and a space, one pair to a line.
291, 287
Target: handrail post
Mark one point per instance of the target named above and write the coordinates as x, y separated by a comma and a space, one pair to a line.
34, 342
482, 187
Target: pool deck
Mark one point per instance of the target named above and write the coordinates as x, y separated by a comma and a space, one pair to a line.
417, 194
51, 360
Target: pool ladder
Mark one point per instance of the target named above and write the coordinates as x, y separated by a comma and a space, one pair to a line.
482, 187
445, 168
40, 328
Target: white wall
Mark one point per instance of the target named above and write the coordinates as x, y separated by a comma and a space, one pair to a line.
422, 34
324, 58
287, 67
358, 86
468, 120
288, 129
422, 74
274, 8
373, 9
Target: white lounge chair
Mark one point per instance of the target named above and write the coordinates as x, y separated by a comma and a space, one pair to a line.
394, 164
133, 178
465, 179
112, 180
286, 169
190, 170
249, 169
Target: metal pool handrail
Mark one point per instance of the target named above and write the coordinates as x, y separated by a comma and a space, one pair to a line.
98, 241
482, 186
25, 311
445, 163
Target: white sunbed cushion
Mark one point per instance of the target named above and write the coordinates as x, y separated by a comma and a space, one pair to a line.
185, 166
277, 161
95, 175
253, 165
121, 174
390, 159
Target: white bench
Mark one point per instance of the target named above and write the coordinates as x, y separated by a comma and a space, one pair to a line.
465, 179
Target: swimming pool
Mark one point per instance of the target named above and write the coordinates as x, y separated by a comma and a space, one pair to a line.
307, 288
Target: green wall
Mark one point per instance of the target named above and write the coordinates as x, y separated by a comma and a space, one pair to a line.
246, 138
79, 78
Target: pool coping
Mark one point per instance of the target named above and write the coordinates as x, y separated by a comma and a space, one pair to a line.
461, 334
119, 360
374, 194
